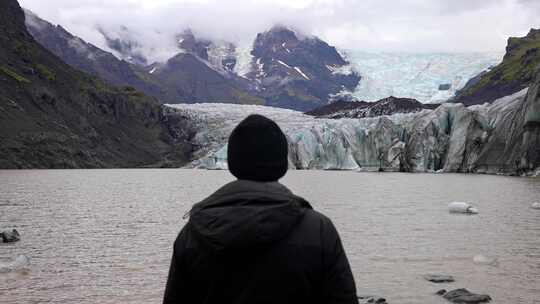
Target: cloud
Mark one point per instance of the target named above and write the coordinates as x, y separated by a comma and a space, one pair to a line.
371, 25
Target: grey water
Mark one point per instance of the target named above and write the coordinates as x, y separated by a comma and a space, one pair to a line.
105, 236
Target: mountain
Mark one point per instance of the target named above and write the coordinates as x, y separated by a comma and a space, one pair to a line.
183, 78
362, 109
93, 60
54, 116
297, 72
513, 74
195, 81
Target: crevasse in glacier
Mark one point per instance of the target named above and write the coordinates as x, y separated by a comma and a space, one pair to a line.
451, 138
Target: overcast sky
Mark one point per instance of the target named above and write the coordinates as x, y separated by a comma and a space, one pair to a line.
370, 25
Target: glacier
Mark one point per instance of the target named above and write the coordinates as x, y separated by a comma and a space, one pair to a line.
489, 138
416, 75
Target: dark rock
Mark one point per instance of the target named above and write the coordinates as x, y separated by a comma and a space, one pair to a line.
10, 236
371, 299
445, 87
462, 295
439, 278
362, 109
441, 292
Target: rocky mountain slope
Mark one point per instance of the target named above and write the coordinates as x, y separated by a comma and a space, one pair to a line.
194, 81
183, 78
53, 116
298, 72
503, 137
362, 109
515, 73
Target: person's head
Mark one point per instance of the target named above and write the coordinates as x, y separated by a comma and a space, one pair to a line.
257, 150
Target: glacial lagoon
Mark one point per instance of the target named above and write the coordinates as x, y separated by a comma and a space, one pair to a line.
105, 236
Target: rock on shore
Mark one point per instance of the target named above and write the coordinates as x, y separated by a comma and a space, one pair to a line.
10, 236
462, 295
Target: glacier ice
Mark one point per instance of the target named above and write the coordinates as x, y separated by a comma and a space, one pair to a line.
484, 260
416, 75
486, 138
19, 263
462, 207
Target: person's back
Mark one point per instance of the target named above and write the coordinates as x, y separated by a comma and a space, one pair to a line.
253, 240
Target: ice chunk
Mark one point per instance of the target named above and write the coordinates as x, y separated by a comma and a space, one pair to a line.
462, 207
483, 260
19, 263
535, 205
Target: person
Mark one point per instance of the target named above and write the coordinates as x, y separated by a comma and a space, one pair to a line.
254, 241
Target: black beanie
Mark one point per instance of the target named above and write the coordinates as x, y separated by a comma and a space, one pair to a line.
257, 150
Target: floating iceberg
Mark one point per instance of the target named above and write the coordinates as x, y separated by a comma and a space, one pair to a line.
462, 207
19, 263
483, 260
535, 206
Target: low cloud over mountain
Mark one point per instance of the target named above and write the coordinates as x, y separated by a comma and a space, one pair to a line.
410, 25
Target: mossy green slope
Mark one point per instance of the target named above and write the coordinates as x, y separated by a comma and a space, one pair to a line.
513, 74
52, 116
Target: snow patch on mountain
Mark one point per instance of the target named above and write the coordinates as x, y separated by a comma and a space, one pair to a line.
244, 61
301, 73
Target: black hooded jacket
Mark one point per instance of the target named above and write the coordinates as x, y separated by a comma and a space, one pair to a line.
253, 242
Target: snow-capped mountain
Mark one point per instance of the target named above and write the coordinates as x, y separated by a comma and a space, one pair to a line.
199, 82
498, 137
183, 78
283, 67
298, 72
220, 55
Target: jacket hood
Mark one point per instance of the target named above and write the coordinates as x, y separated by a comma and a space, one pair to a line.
246, 215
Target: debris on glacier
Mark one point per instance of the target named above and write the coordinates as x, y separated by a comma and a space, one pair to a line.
462, 207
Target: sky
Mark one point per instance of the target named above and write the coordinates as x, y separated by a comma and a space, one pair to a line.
368, 25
